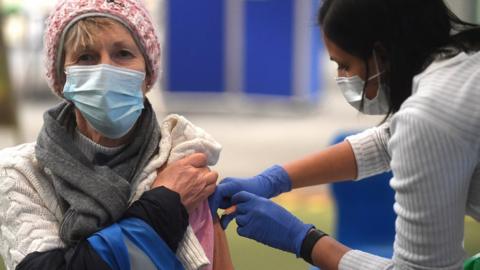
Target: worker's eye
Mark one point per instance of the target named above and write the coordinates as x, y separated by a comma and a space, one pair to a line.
342, 67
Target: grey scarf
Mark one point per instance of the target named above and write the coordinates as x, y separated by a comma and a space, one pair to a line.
95, 194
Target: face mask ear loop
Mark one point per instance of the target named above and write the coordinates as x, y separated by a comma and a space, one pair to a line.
378, 68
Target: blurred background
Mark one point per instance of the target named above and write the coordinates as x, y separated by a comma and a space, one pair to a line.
253, 73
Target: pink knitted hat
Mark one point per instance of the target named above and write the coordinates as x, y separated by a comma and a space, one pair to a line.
131, 13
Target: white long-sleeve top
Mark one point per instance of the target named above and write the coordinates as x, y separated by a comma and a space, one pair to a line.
432, 146
30, 215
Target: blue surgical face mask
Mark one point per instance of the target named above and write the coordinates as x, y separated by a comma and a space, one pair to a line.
352, 90
110, 98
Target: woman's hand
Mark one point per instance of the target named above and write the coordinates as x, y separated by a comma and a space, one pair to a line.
190, 178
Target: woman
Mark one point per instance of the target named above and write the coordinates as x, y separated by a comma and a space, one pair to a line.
105, 186
416, 62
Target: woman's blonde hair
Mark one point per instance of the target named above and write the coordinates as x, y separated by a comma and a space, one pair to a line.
82, 34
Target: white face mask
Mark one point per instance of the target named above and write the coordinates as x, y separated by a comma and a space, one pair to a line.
352, 90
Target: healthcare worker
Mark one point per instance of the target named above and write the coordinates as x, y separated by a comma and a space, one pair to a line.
418, 64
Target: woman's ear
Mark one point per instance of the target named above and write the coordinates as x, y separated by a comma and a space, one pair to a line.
59, 83
381, 54
63, 78
381, 51
146, 83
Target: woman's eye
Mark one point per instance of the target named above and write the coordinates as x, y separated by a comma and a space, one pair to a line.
85, 58
124, 54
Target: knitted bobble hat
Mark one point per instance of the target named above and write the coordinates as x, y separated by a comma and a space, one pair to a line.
130, 13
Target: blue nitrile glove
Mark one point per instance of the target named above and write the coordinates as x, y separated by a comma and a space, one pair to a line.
267, 184
266, 222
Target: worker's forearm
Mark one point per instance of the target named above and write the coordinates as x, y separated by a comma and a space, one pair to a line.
336, 163
327, 253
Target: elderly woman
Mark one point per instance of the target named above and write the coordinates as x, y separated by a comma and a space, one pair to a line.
105, 186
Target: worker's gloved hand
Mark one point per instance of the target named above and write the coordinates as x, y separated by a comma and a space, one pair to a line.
266, 222
267, 184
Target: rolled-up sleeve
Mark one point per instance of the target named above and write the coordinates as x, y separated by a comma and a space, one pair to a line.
371, 151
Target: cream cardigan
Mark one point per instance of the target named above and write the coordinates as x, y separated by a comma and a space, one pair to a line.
29, 212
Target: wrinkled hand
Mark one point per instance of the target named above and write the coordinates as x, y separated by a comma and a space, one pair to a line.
266, 222
267, 184
190, 178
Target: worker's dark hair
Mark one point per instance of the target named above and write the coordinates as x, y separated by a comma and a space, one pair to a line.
410, 34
